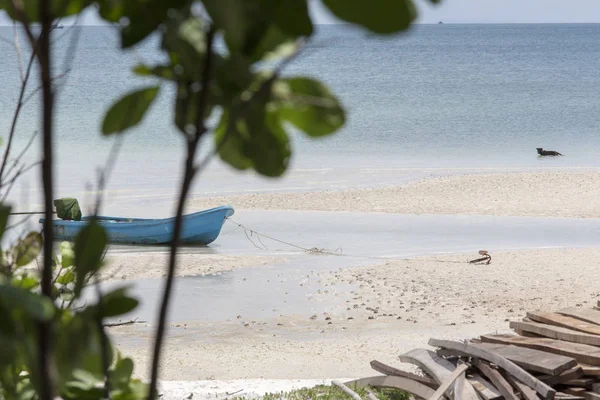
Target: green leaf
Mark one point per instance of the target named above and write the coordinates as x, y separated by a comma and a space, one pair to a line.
34, 305
270, 147
291, 16
4, 214
309, 105
159, 71
254, 27
28, 249
59, 8
185, 41
121, 375
89, 250
117, 303
66, 278
26, 282
229, 141
67, 255
128, 111
142, 17
379, 16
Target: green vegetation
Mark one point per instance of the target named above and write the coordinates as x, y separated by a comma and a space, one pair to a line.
322, 392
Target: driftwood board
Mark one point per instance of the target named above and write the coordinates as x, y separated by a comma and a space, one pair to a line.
581, 352
459, 372
527, 393
441, 370
584, 314
485, 389
557, 332
497, 379
532, 360
387, 370
394, 382
565, 322
590, 370
552, 380
540, 387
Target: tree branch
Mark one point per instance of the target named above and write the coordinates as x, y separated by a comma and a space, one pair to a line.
45, 62
190, 170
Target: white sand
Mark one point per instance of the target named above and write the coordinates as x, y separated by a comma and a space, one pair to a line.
544, 194
121, 266
441, 296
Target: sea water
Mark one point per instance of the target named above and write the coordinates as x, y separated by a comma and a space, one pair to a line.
436, 100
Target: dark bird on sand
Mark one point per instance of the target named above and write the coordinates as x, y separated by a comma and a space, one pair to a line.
543, 152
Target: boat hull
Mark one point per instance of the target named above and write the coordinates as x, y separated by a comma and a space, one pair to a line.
198, 228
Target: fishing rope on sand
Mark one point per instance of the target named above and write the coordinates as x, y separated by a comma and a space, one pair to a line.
251, 234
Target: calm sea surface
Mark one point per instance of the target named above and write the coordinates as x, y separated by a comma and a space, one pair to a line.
435, 100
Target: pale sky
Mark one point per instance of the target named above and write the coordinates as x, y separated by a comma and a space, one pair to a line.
467, 11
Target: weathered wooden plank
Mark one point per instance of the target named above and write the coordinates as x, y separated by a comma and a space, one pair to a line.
591, 396
564, 396
496, 378
445, 386
581, 382
552, 380
527, 393
530, 359
510, 367
590, 370
584, 314
440, 370
574, 391
557, 332
565, 322
581, 352
485, 389
391, 371
394, 382
596, 387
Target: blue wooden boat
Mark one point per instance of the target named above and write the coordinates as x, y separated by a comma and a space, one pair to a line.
202, 227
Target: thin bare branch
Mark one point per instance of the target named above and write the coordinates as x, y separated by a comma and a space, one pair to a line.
104, 174
188, 176
12, 180
16, 115
17, 159
18, 50
39, 88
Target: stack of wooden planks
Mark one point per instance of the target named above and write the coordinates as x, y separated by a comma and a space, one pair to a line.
552, 355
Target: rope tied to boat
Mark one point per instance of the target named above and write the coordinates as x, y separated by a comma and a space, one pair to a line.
251, 233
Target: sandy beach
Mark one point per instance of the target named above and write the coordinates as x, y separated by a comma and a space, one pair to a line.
392, 305
395, 306
539, 194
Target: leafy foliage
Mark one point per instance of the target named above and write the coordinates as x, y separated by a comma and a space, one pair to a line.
128, 111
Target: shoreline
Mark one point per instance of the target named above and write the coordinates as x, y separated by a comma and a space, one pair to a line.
563, 194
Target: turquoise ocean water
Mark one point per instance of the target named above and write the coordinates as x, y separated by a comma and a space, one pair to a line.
435, 100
